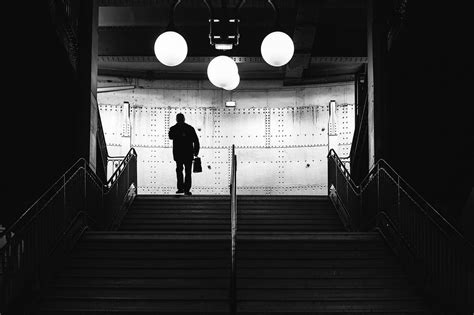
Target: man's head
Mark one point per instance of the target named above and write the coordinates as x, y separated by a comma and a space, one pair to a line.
180, 118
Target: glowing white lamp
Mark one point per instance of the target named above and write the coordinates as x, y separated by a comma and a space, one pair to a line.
171, 48
221, 70
232, 83
277, 49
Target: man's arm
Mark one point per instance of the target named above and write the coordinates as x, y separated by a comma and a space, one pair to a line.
171, 133
195, 143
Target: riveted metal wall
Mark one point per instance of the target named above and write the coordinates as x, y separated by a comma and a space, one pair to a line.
148, 126
345, 128
111, 116
281, 135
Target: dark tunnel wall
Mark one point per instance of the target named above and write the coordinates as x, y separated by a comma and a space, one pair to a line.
430, 106
39, 113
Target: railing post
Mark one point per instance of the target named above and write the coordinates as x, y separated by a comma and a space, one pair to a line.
233, 218
398, 203
335, 175
347, 192
378, 188
85, 187
64, 214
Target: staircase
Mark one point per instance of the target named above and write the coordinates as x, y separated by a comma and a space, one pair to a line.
201, 214
142, 272
171, 255
322, 273
211, 214
299, 214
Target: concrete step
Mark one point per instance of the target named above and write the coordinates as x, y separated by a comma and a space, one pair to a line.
167, 283
144, 294
172, 256
212, 213
133, 306
334, 306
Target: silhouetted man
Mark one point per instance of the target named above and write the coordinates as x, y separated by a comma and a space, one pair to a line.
185, 148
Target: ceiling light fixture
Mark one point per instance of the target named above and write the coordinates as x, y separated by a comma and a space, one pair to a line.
277, 48
170, 47
222, 71
233, 82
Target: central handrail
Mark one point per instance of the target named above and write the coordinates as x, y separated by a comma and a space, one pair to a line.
233, 232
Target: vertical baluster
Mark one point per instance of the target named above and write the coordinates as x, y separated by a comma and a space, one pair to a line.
102, 203
439, 259
456, 277
347, 193
378, 188
47, 224
40, 238
450, 268
335, 175
444, 276
430, 252
443, 259
401, 219
84, 184
3, 272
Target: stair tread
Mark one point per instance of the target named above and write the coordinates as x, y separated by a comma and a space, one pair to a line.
244, 294
137, 305
172, 255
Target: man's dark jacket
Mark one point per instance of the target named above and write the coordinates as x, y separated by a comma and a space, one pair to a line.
185, 142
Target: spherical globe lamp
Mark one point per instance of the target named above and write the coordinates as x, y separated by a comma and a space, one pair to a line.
232, 83
171, 48
277, 49
221, 70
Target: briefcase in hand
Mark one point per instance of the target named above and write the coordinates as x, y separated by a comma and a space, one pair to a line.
197, 168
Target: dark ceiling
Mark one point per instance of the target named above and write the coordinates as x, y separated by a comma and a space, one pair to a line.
329, 38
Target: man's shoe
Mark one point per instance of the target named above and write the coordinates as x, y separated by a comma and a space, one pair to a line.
188, 193
180, 191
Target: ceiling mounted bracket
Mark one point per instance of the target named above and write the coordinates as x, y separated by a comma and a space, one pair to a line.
223, 31
277, 14
171, 26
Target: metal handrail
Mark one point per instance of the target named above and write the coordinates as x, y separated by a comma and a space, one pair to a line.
120, 168
233, 232
425, 206
113, 160
53, 220
343, 168
437, 255
80, 163
382, 164
116, 157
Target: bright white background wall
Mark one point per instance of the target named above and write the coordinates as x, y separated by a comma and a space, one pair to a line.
280, 133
